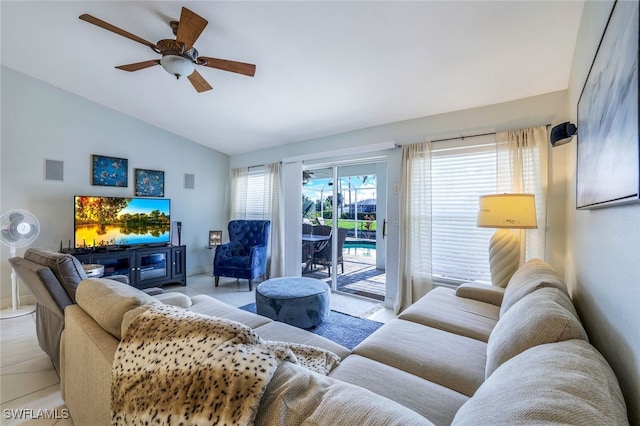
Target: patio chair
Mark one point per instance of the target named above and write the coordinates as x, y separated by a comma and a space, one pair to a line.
307, 229
317, 247
323, 257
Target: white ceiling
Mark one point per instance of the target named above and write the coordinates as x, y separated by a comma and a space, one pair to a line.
323, 67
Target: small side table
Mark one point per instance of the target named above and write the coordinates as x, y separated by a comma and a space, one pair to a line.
93, 270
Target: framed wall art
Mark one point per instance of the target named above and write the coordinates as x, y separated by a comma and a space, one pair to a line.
149, 183
215, 238
608, 159
109, 171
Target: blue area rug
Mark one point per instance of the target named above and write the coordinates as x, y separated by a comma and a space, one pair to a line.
343, 329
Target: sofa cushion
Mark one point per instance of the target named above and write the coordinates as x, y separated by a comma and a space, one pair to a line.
106, 301
297, 396
533, 275
448, 359
437, 403
67, 269
544, 316
441, 308
557, 383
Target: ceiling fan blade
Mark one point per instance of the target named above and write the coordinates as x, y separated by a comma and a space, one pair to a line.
107, 26
139, 65
198, 82
225, 65
190, 27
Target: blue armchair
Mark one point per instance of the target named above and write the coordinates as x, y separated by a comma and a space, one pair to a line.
245, 255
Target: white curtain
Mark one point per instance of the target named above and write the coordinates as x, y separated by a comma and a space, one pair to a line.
239, 184
522, 168
274, 213
255, 194
414, 278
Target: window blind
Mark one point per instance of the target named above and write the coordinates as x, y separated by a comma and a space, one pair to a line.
459, 175
255, 195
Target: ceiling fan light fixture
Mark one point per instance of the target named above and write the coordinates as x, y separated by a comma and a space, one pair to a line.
177, 65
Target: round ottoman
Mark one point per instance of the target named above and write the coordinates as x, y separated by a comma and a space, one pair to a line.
302, 302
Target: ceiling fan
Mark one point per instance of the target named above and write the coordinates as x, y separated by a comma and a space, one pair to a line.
178, 56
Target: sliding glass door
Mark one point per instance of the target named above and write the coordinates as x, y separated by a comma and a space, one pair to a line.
347, 201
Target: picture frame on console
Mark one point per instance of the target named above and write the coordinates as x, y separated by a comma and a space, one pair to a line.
608, 159
149, 183
215, 238
109, 171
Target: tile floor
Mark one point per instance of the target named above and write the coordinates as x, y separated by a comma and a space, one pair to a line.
30, 386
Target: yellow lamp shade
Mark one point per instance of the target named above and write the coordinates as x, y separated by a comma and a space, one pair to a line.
507, 211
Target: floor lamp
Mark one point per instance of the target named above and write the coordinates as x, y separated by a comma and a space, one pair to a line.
506, 212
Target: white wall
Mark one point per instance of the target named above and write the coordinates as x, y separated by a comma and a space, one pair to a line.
603, 246
41, 122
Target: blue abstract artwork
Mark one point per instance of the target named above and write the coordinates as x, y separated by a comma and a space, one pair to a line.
110, 171
149, 183
608, 166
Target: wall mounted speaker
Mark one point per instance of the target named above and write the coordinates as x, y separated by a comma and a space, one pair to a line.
53, 170
189, 181
562, 133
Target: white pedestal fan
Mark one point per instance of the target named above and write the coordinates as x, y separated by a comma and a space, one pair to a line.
18, 228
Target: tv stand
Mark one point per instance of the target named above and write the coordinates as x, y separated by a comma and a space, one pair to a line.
146, 266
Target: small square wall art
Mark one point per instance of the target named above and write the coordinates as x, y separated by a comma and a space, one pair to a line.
110, 171
149, 183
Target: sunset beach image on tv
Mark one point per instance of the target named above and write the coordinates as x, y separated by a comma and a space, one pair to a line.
121, 221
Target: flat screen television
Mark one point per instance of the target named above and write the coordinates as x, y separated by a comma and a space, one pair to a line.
121, 221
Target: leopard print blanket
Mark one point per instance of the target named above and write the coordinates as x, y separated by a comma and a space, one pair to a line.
176, 367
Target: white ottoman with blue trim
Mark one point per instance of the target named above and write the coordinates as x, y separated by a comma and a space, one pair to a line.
299, 301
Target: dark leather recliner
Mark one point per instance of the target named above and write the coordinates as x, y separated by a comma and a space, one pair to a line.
245, 255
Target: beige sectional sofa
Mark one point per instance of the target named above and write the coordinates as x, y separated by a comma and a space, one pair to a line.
472, 356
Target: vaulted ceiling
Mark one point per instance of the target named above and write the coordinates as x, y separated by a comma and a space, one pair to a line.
323, 67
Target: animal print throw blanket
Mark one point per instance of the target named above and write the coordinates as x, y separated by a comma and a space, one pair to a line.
176, 367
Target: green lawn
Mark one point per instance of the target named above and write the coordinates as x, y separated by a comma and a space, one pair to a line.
350, 224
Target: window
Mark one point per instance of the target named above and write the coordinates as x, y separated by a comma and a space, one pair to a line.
460, 173
255, 195
248, 194
442, 182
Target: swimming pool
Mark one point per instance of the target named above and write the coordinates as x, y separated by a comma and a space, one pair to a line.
360, 248
360, 244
